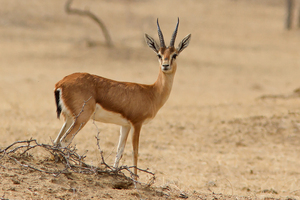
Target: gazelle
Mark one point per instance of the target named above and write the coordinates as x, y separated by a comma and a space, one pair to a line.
82, 96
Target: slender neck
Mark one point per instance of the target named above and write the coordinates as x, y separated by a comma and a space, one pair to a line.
163, 86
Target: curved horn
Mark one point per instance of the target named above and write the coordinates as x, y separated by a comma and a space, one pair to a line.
174, 35
160, 35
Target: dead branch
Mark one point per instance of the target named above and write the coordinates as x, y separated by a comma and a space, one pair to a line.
69, 157
71, 160
90, 15
101, 153
75, 119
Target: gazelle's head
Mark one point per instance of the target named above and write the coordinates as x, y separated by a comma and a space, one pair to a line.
167, 55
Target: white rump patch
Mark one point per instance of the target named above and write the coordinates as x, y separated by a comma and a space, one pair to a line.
106, 116
64, 109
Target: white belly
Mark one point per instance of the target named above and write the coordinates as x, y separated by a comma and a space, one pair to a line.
105, 116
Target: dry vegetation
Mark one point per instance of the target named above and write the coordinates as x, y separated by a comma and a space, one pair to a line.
230, 130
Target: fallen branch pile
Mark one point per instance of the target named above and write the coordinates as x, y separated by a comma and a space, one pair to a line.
72, 161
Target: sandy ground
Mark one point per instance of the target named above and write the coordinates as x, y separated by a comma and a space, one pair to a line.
230, 127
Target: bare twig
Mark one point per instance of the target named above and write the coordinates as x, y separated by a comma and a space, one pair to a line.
72, 162
89, 14
75, 119
101, 152
134, 176
70, 158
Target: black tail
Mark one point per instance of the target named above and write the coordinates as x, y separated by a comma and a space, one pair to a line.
58, 107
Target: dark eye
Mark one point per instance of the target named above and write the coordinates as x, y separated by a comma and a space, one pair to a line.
159, 56
174, 56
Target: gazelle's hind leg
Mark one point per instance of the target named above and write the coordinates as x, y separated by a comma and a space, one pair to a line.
124, 131
79, 122
68, 123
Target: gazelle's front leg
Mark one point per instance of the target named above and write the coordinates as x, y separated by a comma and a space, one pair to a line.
124, 131
135, 145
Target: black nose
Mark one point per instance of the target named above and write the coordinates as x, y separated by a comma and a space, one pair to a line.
165, 65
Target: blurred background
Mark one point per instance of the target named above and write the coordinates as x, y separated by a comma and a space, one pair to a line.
232, 120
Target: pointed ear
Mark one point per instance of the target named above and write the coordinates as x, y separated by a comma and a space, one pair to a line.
151, 43
184, 43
